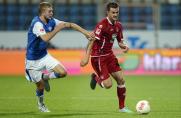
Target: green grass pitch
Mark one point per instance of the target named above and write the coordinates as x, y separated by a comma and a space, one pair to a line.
71, 97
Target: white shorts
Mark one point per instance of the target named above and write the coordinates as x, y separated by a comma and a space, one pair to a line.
34, 68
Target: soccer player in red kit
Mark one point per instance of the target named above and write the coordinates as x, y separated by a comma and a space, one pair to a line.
103, 61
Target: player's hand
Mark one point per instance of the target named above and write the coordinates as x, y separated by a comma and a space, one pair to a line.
125, 49
84, 61
90, 36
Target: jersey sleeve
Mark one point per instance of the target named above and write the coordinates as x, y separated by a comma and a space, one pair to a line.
98, 31
38, 29
120, 33
57, 21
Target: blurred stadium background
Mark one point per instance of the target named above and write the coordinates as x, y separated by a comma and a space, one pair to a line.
152, 29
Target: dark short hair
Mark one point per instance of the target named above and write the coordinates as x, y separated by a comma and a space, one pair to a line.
42, 7
111, 5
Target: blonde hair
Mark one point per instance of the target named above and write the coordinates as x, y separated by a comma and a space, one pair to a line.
43, 6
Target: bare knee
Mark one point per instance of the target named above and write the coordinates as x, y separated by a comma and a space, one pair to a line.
120, 81
107, 83
107, 86
63, 74
40, 85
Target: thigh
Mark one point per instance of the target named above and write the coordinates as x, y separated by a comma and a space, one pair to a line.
113, 65
53, 64
118, 76
59, 69
33, 75
100, 67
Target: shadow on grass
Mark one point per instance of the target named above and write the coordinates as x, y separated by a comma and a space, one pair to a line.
17, 113
48, 115
65, 113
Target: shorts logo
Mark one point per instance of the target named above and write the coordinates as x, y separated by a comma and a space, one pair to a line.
101, 77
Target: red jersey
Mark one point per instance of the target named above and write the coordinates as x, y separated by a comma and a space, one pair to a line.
105, 33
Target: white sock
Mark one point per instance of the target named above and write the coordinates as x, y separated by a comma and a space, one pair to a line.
122, 86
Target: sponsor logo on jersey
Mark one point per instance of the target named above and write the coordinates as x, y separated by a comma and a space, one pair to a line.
42, 30
49, 28
98, 31
113, 38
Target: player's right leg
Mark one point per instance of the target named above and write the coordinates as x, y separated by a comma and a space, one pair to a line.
35, 76
40, 96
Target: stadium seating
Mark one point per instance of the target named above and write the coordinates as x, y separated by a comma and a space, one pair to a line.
18, 16
170, 16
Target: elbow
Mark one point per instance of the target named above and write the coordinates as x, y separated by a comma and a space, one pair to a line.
73, 25
83, 63
44, 38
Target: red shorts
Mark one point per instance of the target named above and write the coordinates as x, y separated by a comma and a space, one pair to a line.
105, 65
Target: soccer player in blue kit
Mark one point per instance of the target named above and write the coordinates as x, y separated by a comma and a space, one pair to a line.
42, 29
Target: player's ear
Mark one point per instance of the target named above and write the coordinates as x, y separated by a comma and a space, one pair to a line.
107, 12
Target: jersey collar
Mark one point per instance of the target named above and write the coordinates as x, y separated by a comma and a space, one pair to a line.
109, 21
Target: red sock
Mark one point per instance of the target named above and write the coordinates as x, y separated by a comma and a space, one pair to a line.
121, 92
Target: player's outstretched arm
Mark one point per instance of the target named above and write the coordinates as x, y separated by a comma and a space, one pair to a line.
85, 59
89, 35
48, 36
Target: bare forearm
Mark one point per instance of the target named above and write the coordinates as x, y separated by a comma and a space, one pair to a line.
48, 36
78, 28
86, 57
89, 47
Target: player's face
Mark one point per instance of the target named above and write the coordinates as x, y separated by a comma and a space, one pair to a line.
113, 14
48, 13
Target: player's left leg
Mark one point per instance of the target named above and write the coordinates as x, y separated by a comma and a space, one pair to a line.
121, 91
55, 70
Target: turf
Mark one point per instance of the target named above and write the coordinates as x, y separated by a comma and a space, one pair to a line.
72, 97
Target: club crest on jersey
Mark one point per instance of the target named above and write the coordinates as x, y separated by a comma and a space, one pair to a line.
49, 28
100, 26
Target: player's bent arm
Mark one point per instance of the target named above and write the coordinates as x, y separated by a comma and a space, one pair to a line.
123, 47
86, 57
48, 36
